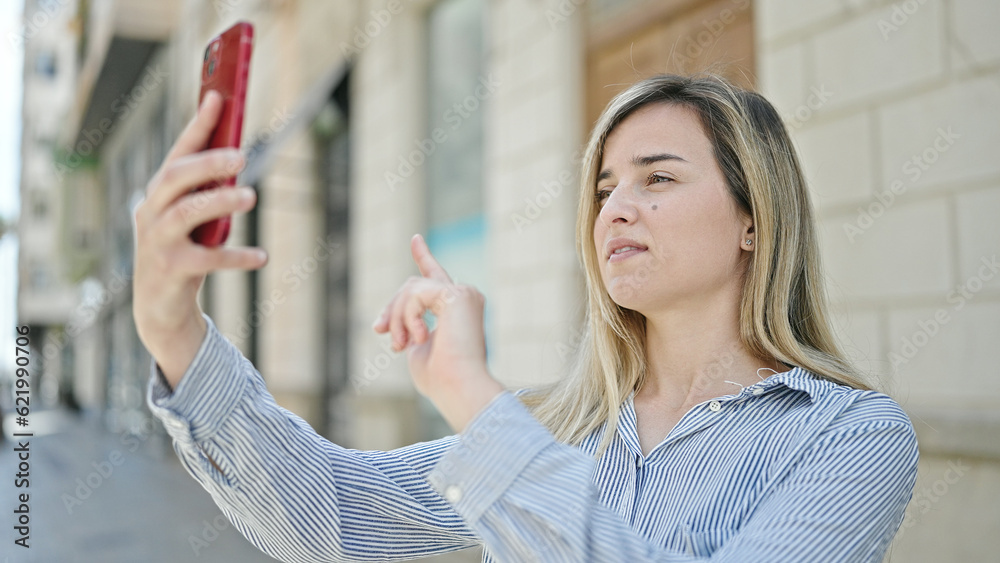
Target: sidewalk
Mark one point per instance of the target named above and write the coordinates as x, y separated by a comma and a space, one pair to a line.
146, 509
133, 501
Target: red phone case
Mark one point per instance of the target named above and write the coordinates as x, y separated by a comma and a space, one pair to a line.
225, 69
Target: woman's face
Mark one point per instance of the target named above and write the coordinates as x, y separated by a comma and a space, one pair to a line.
664, 189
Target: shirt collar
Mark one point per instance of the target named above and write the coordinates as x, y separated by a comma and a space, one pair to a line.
797, 378
800, 379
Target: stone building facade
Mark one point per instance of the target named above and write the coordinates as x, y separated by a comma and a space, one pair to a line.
463, 120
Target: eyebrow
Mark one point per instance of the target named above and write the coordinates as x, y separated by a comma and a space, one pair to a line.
641, 161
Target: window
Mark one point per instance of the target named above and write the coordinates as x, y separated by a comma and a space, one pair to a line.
45, 63
39, 276
39, 204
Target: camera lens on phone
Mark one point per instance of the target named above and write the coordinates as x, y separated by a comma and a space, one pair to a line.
211, 67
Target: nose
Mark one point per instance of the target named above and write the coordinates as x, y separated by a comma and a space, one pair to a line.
619, 206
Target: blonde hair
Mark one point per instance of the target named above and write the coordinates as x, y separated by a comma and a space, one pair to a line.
783, 309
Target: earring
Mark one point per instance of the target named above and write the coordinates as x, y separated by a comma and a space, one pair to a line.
749, 241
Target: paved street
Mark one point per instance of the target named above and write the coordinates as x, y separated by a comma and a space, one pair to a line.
147, 509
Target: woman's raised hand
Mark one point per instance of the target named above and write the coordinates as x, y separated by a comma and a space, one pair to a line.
448, 365
169, 266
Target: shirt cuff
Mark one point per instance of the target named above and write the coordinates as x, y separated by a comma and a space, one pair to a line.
491, 452
207, 393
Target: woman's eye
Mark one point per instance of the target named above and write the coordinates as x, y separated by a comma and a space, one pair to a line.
600, 195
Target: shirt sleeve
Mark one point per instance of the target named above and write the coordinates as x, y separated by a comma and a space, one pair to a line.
292, 493
532, 499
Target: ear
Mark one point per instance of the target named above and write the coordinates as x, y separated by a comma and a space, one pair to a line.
747, 234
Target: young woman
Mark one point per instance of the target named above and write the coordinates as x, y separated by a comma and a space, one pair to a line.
708, 415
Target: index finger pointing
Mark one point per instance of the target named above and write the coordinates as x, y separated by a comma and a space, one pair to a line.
429, 267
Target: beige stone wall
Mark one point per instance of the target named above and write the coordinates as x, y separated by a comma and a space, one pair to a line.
387, 115
532, 125
895, 109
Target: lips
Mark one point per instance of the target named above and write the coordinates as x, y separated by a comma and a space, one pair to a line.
624, 255
616, 243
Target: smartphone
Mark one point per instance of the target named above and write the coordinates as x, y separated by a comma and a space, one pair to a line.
225, 69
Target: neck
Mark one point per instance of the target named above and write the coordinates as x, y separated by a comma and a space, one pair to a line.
692, 351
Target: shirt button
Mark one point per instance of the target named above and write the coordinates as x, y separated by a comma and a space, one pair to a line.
757, 390
453, 494
715, 406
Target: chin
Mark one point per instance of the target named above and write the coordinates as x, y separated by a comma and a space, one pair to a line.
629, 298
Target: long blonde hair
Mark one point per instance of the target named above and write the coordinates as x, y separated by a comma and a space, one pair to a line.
783, 309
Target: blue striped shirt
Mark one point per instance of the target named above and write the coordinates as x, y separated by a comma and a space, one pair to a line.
794, 468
